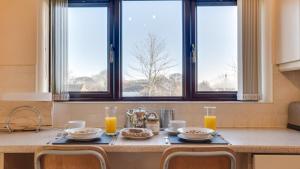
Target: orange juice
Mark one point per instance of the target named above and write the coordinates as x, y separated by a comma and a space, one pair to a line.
111, 125
210, 122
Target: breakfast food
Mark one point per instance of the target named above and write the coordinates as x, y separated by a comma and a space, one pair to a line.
85, 131
136, 133
194, 131
83, 134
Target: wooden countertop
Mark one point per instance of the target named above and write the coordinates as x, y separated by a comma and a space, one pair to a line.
242, 140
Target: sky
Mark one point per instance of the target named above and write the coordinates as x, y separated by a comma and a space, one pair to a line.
160, 18
217, 37
217, 43
87, 41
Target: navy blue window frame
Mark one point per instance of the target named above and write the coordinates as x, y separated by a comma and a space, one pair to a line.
216, 2
207, 95
189, 73
103, 95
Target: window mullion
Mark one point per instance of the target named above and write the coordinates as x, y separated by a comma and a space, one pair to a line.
190, 41
111, 53
116, 27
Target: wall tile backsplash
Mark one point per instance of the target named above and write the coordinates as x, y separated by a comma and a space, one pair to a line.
236, 114
229, 115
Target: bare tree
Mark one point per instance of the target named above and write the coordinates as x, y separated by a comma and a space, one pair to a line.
153, 62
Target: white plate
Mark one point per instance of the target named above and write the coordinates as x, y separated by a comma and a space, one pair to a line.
85, 138
171, 132
198, 129
93, 133
195, 132
83, 132
195, 139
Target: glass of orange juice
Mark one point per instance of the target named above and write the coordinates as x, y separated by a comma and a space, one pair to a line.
110, 120
210, 119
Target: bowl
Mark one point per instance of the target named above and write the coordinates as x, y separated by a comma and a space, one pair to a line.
84, 132
176, 124
136, 133
196, 132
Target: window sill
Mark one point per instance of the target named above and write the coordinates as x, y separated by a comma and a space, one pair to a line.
166, 102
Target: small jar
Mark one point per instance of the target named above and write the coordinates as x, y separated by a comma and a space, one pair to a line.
152, 123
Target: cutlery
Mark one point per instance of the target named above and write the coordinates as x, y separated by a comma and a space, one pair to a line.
167, 141
113, 140
58, 136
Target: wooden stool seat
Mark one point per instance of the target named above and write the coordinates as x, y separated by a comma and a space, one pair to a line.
71, 157
198, 158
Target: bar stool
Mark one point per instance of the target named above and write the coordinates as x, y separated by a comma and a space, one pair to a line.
198, 158
70, 157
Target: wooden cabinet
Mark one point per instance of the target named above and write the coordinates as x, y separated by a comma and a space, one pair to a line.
18, 161
18, 20
276, 162
287, 31
24, 46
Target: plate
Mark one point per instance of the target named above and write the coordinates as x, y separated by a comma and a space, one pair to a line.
69, 137
84, 134
181, 136
196, 132
138, 138
135, 133
171, 132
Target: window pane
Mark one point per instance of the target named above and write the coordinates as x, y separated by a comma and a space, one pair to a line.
152, 48
217, 48
87, 49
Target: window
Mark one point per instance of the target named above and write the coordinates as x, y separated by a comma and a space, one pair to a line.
89, 46
217, 48
152, 50
214, 50
87, 49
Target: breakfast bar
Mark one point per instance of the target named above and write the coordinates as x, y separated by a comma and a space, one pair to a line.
244, 141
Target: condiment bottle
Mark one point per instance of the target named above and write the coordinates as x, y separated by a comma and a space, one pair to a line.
152, 122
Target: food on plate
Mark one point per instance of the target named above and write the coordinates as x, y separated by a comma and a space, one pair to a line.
136, 132
195, 131
85, 131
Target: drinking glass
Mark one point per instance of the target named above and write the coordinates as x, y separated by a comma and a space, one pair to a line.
110, 120
165, 116
210, 119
